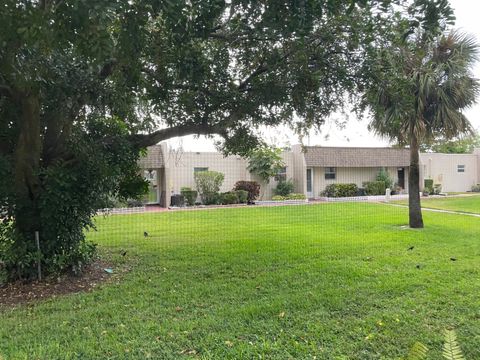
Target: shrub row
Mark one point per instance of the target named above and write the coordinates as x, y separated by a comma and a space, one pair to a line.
291, 196
340, 190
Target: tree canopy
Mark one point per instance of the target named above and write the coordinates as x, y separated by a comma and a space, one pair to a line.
85, 85
422, 84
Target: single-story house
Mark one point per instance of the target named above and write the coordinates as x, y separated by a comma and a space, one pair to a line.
311, 168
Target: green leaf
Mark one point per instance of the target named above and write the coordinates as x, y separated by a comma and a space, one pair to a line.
417, 352
451, 349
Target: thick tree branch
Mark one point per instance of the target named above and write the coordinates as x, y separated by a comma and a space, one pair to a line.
144, 140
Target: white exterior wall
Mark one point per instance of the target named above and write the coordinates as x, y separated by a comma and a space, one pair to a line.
351, 176
442, 168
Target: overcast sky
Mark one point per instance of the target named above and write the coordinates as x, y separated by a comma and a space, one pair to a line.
355, 133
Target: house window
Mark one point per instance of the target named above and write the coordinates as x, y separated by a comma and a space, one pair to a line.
199, 169
461, 168
330, 173
281, 174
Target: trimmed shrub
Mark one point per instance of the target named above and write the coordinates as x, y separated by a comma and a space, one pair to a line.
296, 197
251, 187
437, 189
374, 187
289, 197
242, 196
284, 188
208, 185
189, 195
229, 198
476, 188
428, 185
340, 190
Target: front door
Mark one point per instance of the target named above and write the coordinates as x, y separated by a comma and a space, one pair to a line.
310, 183
401, 177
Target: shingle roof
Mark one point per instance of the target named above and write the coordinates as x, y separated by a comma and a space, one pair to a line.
153, 159
356, 157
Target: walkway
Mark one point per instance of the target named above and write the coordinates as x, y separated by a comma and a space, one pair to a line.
435, 210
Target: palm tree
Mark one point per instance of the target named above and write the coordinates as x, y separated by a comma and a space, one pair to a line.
421, 89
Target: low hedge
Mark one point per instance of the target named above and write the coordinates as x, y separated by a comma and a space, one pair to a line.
340, 190
374, 187
292, 196
229, 198
189, 195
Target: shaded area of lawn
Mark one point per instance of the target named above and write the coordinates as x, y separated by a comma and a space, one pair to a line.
469, 203
333, 281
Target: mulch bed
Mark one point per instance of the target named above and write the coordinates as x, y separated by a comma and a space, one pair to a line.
19, 292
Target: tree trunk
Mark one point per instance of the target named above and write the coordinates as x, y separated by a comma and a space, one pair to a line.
27, 159
415, 209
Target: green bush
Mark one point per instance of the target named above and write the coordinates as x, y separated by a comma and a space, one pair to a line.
340, 190
374, 187
229, 198
251, 187
384, 176
476, 188
428, 185
208, 185
278, 198
242, 196
437, 189
212, 198
189, 195
284, 188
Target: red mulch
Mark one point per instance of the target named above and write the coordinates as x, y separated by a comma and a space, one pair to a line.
19, 292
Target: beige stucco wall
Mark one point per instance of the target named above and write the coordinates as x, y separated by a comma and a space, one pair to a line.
299, 170
351, 175
442, 168
179, 170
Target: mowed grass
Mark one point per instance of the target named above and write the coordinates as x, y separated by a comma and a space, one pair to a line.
468, 204
327, 281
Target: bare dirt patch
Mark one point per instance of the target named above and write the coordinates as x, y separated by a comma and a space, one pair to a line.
19, 293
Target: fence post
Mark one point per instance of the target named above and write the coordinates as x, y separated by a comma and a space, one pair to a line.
39, 262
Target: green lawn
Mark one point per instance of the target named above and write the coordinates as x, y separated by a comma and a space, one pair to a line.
469, 204
327, 281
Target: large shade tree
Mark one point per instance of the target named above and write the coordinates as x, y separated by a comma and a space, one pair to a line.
85, 85
422, 84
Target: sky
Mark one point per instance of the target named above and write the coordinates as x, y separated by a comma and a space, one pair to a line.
355, 132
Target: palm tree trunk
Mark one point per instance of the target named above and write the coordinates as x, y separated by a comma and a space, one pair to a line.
415, 209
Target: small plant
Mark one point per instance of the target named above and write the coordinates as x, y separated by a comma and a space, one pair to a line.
437, 189
428, 185
242, 196
251, 187
189, 195
284, 188
476, 188
451, 349
229, 198
208, 185
384, 176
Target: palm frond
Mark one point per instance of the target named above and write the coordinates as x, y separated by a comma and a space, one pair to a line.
451, 349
